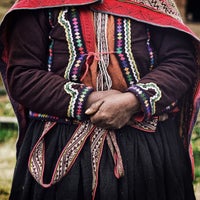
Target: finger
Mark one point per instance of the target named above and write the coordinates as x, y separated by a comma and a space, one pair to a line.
93, 108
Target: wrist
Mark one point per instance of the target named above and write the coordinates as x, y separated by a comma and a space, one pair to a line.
134, 102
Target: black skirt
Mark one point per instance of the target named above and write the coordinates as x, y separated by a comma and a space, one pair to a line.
157, 167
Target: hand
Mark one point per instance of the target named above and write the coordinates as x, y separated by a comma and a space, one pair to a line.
113, 111
98, 95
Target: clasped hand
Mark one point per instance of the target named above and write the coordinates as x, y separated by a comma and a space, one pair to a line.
111, 109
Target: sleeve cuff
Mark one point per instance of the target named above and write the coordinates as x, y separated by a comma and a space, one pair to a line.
79, 94
144, 100
80, 103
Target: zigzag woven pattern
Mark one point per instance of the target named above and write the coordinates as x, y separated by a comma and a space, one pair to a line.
165, 6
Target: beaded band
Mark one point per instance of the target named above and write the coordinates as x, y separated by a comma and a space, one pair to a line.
49, 118
144, 100
51, 45
151, 54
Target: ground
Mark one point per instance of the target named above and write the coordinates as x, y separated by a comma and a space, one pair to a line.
7, 150
7, 161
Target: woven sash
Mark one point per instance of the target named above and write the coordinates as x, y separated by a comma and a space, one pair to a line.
71, 151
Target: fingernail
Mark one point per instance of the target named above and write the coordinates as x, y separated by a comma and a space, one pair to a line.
88, 111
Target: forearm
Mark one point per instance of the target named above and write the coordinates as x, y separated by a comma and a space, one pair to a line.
30, 83
162, 88
45, 92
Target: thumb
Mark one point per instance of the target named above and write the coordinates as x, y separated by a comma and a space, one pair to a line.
94, 108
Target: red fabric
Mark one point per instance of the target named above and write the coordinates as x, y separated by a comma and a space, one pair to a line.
127, 8
133, 10
49, 3
140, 13
88, 30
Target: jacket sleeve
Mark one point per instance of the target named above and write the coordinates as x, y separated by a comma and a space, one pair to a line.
30, 83
161, 89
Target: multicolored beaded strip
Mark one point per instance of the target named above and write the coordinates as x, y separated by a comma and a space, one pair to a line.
42, 116
50, 58
81, 100
76, 46
124, 52
79, 45
151, 54
144, 100
49, 118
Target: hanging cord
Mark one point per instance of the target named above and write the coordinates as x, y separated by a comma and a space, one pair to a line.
104, 81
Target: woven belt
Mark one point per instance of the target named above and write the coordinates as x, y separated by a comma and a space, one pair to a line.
71, 151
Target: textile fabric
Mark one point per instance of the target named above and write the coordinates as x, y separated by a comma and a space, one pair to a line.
149, 174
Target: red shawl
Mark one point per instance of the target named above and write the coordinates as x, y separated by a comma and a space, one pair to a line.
159, 13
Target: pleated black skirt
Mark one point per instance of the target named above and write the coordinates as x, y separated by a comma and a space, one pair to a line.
157, 167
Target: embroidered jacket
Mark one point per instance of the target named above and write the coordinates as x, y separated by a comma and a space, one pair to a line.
159, 13
80, 75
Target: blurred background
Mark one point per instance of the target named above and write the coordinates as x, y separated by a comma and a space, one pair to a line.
190, 11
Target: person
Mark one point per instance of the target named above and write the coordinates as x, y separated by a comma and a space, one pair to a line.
106, 94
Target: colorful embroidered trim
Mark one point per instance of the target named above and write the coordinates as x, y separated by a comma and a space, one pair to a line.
67, 157
124, 52
97, 139
42, 117
153, 99
70, 152
74, 95
70, 21
79, 94
144, 100
50, 118
69, 38
151, 54
50, 58
80, 102
79, 46
146, 125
